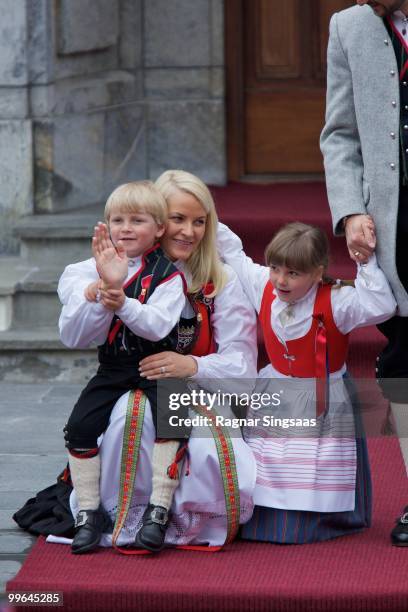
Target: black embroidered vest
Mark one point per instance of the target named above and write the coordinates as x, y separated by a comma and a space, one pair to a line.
402, 59
122, 346
195, 333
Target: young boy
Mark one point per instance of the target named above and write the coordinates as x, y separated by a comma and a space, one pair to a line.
128, 300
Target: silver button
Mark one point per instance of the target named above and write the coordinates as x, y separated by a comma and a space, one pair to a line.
131, 262
392, 166
406, 107
392, 72
405, 127
394, 103
404, 83
385, 42
392, 134
406, 150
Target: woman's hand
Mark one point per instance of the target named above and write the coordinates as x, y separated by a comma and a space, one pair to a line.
91, 291
168, 365
112, 299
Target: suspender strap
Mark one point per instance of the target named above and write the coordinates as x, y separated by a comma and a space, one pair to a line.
130, 455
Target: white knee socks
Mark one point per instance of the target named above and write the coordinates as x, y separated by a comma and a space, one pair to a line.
85, 474
163, 486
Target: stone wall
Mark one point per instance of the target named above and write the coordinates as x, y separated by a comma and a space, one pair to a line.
98, 92
184, 83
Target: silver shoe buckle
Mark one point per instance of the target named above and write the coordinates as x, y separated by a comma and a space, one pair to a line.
159, 516
81, 519
404, 519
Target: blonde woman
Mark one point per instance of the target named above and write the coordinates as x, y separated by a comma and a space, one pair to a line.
217, 341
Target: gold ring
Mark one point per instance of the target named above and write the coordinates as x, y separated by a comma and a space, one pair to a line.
357, 253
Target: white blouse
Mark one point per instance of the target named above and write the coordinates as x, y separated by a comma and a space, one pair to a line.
370, 302
233, 325
233, 321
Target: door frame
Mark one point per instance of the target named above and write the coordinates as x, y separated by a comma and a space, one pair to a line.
234, 71
234, 48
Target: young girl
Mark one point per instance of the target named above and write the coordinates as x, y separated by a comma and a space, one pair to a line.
313, 483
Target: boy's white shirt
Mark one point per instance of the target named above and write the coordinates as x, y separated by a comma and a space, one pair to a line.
370, 302
233, 321
82, 323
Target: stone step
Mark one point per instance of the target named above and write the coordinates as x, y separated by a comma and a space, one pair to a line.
58, 239
36, 354
28, 294
13, 272
36, 302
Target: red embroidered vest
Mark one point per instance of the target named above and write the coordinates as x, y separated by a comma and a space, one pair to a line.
203, 342
323, 348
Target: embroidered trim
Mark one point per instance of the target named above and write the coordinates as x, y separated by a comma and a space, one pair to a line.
228, 469
130, 455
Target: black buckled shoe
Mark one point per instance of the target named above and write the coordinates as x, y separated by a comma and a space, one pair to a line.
153, 530
399, 535
89, 527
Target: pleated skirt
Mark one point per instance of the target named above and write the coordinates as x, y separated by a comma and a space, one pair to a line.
303, 527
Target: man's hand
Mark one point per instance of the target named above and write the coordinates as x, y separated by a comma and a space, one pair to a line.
360, 236
111, 261
113, 299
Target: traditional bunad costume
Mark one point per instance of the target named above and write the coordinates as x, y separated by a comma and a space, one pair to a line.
313, 483
217, 493
146, 324
216, 484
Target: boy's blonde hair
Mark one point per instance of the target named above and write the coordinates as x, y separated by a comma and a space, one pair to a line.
137, 197
298, 246
204, 264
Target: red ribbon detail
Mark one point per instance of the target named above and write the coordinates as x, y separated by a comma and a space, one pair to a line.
321, 364
114, 331
146, 282
172, 470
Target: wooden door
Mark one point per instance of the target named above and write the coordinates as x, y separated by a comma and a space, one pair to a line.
276, 66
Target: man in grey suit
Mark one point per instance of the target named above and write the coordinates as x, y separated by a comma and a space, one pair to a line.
365, 148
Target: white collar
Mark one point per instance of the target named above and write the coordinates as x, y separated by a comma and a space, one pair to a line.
135, 262
182, 267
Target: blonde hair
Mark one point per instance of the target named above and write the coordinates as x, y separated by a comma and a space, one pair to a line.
137, 197
204, 264
298, 246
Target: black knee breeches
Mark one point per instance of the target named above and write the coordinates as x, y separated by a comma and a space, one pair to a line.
91, 414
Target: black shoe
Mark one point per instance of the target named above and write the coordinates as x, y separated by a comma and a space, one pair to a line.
153, 530
89, 527
399, 535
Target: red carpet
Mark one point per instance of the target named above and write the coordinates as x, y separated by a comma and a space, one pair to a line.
256, 212
357, 573
362, 572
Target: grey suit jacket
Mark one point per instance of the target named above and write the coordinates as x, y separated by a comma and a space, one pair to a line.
360, 141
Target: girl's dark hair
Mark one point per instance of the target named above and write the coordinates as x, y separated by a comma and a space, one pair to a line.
298, 246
